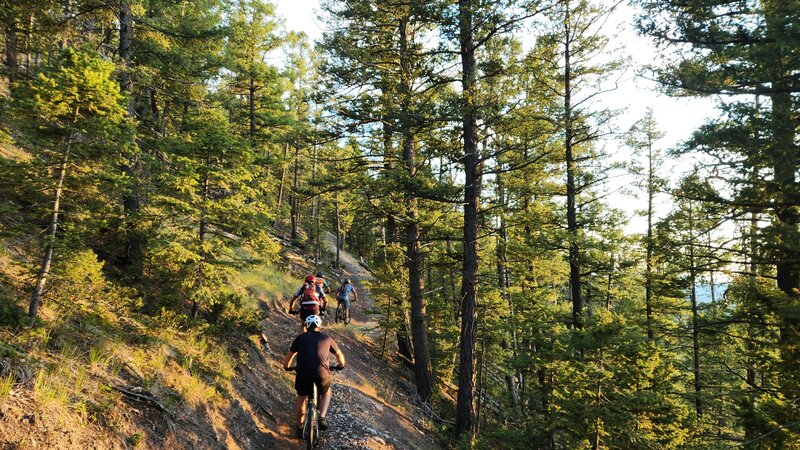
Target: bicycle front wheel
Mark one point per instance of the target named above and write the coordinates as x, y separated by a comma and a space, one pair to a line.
310, 426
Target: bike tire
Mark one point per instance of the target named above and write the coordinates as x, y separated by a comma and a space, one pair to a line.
338, 313
312, 435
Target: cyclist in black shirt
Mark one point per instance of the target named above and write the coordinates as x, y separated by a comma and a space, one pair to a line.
312, 349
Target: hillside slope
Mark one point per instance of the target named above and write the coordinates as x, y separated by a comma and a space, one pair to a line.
251, 409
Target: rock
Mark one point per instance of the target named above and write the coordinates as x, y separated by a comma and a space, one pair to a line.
379, 440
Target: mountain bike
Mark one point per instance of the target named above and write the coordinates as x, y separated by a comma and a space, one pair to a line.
310, 424
342, 313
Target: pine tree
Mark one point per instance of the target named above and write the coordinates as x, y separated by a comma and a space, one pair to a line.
73, 107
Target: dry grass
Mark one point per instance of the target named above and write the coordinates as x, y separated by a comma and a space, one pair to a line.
12, 152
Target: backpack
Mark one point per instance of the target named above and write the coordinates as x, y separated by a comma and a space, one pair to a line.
309, 293
343, 293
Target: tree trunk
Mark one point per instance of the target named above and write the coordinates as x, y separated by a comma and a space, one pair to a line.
419, 328
648, 288
785, 157
284, 170
388, 166
131, 201
202, 237
404, 345
12, 66
47, 260
465, 402
295, 198
315, 208
572, 221
698, 402
251, 115
503, 284
337, 228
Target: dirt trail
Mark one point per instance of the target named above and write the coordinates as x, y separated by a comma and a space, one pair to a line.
372, 405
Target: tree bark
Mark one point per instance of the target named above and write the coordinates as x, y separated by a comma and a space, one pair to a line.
698, 401
785, 156
503, 284
12, 66
131, 201
575, 278
251, 115
284, 170
388, 166
419, 328
47, 260
648, 288
465, 401
202, 238
337, 228
295, 198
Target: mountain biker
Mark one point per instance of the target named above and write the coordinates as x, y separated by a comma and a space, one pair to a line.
312, 300
343, 296
312, 349
323, 282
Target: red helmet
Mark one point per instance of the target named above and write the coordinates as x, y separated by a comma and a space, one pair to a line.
310, 279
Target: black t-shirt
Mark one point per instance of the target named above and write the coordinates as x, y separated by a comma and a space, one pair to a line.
313, 348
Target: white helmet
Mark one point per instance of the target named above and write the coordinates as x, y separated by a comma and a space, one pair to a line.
313, 320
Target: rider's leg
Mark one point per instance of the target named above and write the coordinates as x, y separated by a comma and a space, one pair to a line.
324, 394
324, 402
299, 410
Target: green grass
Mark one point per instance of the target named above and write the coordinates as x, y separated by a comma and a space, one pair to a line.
267, 283
6, 384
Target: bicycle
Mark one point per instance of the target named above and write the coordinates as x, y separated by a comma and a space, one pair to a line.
342, 313
310, 423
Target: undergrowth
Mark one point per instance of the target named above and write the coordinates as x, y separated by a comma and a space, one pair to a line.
93, 337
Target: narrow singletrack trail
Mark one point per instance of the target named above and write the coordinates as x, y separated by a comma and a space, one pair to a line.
372, 406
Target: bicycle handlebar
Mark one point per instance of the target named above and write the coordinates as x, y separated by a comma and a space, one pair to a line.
336, 368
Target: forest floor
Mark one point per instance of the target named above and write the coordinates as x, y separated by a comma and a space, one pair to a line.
372, 407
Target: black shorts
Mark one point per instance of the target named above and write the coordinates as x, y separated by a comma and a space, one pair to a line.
304, 385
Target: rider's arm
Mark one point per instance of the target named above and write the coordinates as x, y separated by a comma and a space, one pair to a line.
355, 295
338, 353
294, 299
287, 361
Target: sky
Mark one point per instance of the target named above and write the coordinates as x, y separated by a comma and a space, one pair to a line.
677, 117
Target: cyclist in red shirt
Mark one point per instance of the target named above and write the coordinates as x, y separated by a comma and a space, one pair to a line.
312, 300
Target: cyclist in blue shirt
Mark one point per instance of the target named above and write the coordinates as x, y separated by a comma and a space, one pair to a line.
343, 296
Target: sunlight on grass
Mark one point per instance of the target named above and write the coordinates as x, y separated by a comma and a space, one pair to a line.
6, 385
48, 389
266, 282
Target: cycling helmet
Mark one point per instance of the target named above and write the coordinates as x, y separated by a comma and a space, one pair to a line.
347, 281
320, 275
313, 321
310, 279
